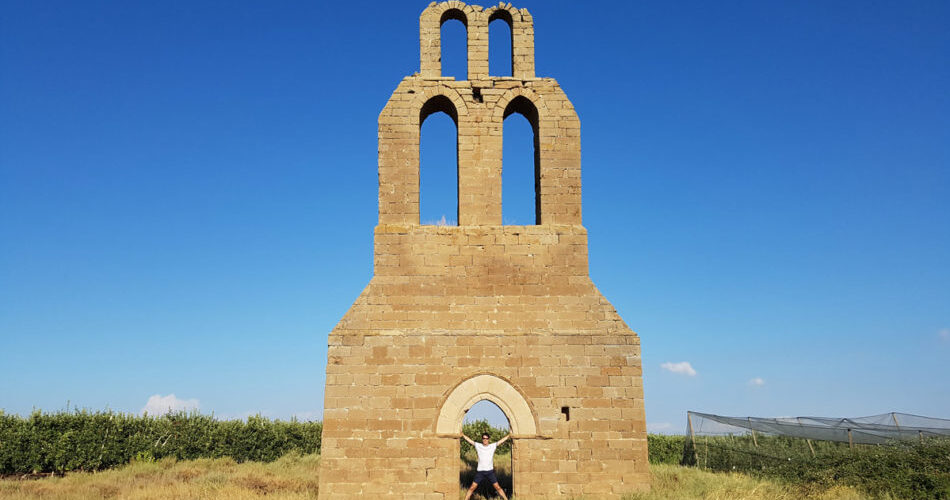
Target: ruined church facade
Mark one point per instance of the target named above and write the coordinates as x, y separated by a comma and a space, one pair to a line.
481, 311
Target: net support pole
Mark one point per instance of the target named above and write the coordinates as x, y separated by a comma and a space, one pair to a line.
850, 440
807, 440
706, 458
897, 424
692, 435
754, 440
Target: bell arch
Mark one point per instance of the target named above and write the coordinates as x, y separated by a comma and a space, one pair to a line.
526, 103
523, 106
430, 197
453, 45
522, 37
494, 389
558, 152
430, 37
503, 16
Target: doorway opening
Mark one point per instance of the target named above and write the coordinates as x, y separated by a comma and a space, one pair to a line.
486, 417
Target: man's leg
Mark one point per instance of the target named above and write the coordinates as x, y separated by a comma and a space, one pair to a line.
500, 491
472, 490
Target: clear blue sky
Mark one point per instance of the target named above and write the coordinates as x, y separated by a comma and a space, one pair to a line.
188, 194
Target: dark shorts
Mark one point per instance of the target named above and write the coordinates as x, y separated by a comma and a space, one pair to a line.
485, 476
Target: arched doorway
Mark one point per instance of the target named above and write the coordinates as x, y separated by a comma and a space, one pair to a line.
485, 417
510, 403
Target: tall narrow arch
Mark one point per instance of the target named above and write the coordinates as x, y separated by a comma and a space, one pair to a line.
494, 389
460, 68
523, 106
437, 104
501, 46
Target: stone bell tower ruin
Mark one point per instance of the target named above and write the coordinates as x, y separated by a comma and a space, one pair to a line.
457, 314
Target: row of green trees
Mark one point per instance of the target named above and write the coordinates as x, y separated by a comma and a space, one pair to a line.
82, 440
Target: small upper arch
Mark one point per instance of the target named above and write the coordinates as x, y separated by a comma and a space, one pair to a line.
501, 62
437, 13
453, 13
507, 14
430, 36
522, 37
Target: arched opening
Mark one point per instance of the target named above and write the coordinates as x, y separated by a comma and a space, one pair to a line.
486, 417
453, 28
500, 44
517, 173
521, 165
438, 162
457, 404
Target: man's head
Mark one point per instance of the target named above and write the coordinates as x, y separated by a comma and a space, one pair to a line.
486, 438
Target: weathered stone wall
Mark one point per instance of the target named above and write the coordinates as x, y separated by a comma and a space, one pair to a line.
385, 394
457, 314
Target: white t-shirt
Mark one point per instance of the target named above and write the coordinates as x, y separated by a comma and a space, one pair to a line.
486, 456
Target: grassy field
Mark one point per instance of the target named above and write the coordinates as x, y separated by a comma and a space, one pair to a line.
295, 477
291, 477
675, 482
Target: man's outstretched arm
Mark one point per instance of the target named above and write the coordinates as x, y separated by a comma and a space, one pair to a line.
468, 439
502, 440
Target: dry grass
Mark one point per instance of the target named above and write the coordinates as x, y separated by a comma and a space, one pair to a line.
674, 482
502, 471
291, 477
295, 477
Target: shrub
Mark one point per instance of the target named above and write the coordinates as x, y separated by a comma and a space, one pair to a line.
665, 449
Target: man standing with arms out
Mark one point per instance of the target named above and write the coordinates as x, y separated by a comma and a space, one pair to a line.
485, 472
